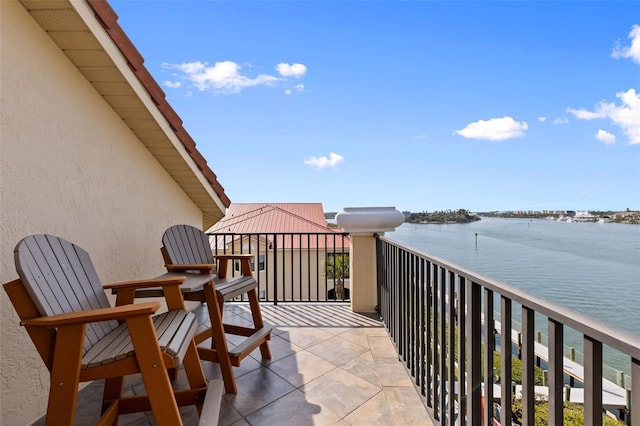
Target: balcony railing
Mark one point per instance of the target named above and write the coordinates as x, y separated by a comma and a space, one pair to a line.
450, 354
292, 267
437, 314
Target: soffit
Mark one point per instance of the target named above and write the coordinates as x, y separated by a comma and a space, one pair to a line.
132, 93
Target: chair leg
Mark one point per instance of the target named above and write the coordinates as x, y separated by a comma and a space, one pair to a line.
219, 340
194, 371
112, 391
256, 314
65, 375
154, 373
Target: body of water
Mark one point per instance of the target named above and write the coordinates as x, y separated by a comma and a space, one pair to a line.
593, 268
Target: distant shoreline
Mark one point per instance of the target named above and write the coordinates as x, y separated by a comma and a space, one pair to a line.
442, 217
631, 217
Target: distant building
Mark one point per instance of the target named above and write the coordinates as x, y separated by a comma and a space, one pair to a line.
268, 231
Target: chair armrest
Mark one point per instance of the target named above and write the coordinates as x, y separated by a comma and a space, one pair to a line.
245, 262
95, 315
202, 267
155, 282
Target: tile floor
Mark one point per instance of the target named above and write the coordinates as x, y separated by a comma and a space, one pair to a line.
329, 367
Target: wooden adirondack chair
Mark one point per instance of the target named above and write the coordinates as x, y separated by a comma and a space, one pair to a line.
80, 337
186, 250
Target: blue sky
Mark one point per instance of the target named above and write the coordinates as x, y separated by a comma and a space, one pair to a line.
421, 105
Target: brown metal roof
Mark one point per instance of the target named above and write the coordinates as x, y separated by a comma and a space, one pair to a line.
266, 218
116, 69
272, 217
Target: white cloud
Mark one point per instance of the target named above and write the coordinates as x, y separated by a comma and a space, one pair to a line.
298, 88
494, 129
421, 137
583, 114
560, 120
223, 77
626, 115
291, 70
606, 137
324, 162
542, 119
632, 51
173, 84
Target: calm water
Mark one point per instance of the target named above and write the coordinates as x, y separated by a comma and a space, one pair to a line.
589, 267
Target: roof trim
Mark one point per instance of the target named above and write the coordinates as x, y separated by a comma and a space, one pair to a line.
109, 20
88, 33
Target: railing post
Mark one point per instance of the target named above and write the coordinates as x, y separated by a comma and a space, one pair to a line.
592, 382
474, 365
528, 353
363, 223
556, 372
506, 363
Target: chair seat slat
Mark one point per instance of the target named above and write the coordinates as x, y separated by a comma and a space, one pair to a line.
174, 329
232, 287
106, 348
165, 326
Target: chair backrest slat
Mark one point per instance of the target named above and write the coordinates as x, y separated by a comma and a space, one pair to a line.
60, 278
186, 244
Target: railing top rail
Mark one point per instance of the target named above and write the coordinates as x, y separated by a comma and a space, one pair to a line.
337, 233
612, 336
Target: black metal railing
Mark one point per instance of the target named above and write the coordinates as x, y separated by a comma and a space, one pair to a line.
293, 267
438, 315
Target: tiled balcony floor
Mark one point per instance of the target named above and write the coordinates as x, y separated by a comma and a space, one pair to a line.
329, 367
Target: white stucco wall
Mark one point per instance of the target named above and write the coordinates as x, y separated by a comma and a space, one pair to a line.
69, 167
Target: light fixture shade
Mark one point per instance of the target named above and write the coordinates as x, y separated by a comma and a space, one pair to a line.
369, 220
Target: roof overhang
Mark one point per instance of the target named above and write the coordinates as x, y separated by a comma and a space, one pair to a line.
88, 33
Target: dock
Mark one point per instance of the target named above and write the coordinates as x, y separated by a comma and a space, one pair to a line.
613, 396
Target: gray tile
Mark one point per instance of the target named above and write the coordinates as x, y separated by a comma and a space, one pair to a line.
373, 412
279, 347
212, 369
340, 390
357, 338
337, 350
257, 389
295, 408
406, 406
336, 331
360, 335
304, 336
381, 347
228, 414
301, 367
368, 331
391, 372
364, 368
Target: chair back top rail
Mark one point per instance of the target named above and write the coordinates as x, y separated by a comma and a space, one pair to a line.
612, 336
60, 278
186, 244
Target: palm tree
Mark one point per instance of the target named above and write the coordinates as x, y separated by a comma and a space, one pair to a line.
337, 269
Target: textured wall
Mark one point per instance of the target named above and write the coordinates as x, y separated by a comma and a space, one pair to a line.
69, 167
